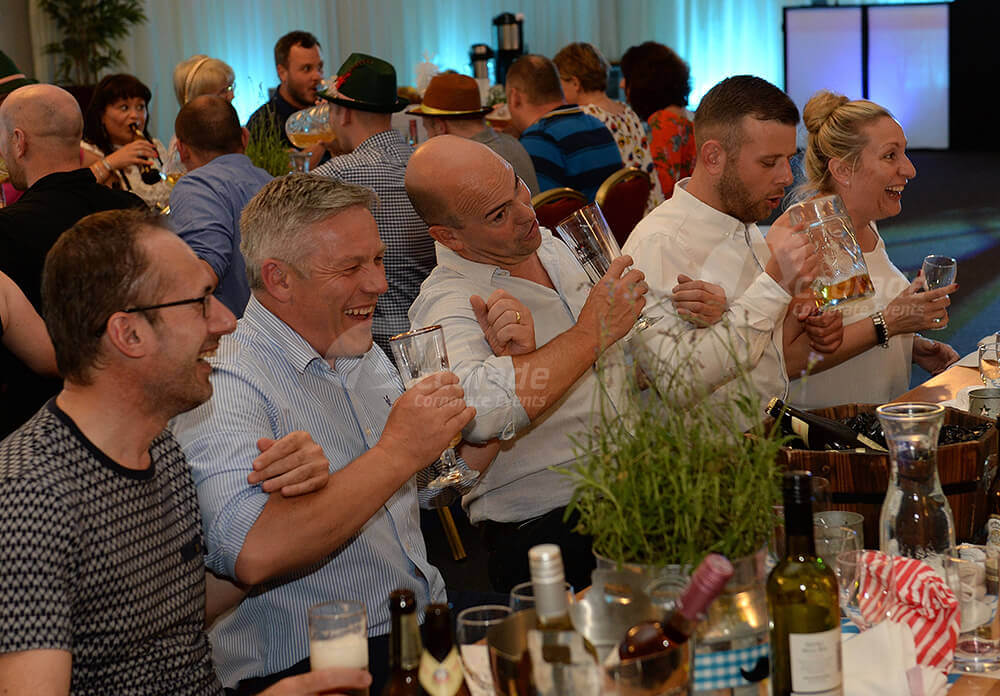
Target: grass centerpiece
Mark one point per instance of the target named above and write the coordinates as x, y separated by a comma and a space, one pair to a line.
267, 149
677, 473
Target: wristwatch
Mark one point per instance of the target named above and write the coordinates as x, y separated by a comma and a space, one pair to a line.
881, 332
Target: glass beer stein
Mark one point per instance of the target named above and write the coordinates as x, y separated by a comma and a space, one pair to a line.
843, 275
310, 126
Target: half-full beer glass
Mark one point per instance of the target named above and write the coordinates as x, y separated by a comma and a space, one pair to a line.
843, 274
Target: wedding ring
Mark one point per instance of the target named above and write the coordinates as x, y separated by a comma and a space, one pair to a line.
517, 316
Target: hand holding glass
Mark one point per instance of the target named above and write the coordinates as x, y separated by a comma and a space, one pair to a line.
588, 236
338, 637
939, 271
420, 353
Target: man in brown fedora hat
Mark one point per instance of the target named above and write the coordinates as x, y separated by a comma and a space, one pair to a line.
451, 106
362, 101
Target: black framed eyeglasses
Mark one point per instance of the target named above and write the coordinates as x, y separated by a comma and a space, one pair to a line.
204, 299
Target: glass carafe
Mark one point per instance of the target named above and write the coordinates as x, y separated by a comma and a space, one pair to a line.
916, 518
843, 274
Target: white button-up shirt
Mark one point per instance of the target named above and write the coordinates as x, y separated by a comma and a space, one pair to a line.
686, 236
519, 485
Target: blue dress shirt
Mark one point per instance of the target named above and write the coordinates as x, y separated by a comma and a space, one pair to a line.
268, 382
205, 208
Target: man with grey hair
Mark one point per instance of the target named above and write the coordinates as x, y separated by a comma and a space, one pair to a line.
40, 131
302, 360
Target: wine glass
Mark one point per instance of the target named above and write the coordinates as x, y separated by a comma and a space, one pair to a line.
938, 272
867, 586
831, 541
299, 161
472, 626
587, 234
420, 353
966, 575
989, 363
522, 595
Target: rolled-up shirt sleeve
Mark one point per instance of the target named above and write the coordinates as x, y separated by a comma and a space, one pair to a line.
197, 216
489, 381
219, 439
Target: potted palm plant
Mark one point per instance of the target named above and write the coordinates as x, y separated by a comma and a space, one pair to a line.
91, 30
674, 476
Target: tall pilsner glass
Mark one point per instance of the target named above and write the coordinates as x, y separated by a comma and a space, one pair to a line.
420, 353
587, 234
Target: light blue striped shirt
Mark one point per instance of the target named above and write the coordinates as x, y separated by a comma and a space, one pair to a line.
269, 382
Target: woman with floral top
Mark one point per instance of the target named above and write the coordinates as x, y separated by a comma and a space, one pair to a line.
583, 72
657, 85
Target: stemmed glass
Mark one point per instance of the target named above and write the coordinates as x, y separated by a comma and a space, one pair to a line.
420, 353
938, 272
587, 234
867, 586
472, 626
831, 541
989, 362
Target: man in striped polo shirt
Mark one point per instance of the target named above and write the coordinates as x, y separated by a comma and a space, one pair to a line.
567, 146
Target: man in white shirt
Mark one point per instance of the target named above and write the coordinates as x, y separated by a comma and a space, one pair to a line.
532, 388
745, 134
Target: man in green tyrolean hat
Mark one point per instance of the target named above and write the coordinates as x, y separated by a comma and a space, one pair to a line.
10, 77
362, 100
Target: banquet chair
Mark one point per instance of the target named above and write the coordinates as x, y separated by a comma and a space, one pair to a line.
555, 205
622, 198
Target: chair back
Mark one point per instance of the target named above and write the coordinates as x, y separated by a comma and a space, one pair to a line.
622, 198
555, 205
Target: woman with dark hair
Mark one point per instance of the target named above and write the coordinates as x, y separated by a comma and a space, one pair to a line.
657, 85
120, 104
583, 72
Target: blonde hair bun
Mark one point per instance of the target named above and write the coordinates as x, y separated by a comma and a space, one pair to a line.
819, 108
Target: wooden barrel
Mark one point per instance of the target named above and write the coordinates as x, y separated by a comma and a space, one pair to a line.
858, 481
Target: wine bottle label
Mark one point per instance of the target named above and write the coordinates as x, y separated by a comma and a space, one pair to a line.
440, 678
800, 428
815, 662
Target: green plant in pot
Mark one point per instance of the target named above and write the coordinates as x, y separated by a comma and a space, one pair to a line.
676, 475
90, 32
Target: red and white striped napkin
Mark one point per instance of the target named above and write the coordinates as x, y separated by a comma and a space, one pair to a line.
924, 602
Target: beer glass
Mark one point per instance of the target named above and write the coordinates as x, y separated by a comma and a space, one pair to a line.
338, 637
843, 274
588, 236
310, 126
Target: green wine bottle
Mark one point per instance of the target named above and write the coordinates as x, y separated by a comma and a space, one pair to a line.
803, 603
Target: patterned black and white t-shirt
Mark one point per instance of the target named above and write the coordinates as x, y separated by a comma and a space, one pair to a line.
102, 561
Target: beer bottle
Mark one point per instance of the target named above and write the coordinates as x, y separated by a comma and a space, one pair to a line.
149, 174
440, 671
404, 646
